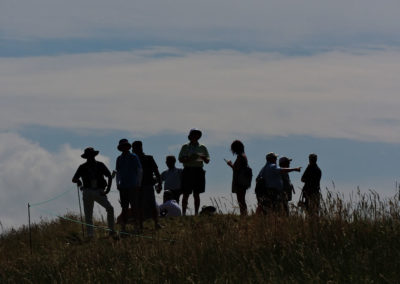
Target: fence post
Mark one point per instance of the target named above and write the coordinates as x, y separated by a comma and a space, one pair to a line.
29, 227
80, 210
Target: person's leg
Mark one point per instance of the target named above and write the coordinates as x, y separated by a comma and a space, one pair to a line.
241, 198
124, 199
185, 198
88, 203
103, 201
196, 197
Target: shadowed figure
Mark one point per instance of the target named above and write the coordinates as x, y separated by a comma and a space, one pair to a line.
193, 156
311, 190
238, 168
94, 188
172, 178
151, 178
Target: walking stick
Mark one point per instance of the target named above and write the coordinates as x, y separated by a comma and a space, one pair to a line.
80, 209
29, 226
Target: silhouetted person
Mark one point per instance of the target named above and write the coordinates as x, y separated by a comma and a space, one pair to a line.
272, 176
95, 188
172, 178
311, 190
288, 188
151, 177
238, 167
129, 178
170, 208
193, 156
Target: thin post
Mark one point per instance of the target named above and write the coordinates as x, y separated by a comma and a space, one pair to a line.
80, 210
29, 227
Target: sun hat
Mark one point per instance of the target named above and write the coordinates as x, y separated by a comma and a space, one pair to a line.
194, 131
89, 152
123, 142
272, 155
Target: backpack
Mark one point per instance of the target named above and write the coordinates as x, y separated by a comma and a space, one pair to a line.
244, 178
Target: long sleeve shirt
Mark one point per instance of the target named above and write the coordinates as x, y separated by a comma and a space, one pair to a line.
129, 171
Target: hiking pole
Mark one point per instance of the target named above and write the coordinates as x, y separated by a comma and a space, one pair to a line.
80, 209
29, 227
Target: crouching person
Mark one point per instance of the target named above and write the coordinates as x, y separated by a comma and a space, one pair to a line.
95, 188
170, 207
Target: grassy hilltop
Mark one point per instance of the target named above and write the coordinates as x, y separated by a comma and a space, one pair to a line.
353, 242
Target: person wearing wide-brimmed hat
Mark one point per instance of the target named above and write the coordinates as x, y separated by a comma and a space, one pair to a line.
129, 176
271, 174
95, 188
193, 155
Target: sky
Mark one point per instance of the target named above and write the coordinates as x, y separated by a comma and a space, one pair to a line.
292, 77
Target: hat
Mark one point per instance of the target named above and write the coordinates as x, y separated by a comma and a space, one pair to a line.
89, 152
272, 155
123, 142
284, 160
194, 131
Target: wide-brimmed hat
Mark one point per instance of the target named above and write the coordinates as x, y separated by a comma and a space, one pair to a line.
195, 131
89, 152
122, 143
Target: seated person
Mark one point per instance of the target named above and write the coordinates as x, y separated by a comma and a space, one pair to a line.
172, 178
169, 208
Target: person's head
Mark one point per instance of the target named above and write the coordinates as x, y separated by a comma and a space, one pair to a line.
194, 135
170, 161
312, 158
168, 195
89, 154
237, 147
124, 145
284, 162
137, 147
271, 157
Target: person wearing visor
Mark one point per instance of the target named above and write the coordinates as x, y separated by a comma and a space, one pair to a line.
193, 155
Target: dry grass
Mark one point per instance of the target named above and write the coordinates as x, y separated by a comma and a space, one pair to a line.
355, 241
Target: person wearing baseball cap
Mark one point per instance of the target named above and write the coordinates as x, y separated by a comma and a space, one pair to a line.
271, 174
311, 189
90, 178
193, 155
288, 188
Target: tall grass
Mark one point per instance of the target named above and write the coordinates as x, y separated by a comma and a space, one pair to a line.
355, 240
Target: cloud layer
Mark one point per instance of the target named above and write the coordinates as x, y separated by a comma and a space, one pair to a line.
337, 94
252, 23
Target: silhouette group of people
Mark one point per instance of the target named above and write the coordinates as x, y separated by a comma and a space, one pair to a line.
138, 178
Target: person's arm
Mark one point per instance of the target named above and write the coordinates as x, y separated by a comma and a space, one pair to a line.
304, 178
139, 172
206, 156
118, 175
158, 176
77, 177
288, 170
107, 174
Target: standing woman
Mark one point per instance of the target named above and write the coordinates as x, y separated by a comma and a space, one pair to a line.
238, 166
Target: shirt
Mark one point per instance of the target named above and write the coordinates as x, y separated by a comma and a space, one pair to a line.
92, 175
311, 178
272, 176
189, 149
149, 167
129, 171
172, 179
170, 209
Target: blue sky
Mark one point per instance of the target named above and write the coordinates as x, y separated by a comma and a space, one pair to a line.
293, 77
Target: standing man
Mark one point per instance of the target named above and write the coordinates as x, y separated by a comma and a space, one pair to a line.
311, 190
129, 178
151, 177
272, 176
288, 188
95, 188
193, 156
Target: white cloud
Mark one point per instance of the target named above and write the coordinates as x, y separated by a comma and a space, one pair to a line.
338, 94
254, 21
29, 173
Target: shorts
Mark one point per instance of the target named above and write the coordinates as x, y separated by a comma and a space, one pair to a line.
193, 180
